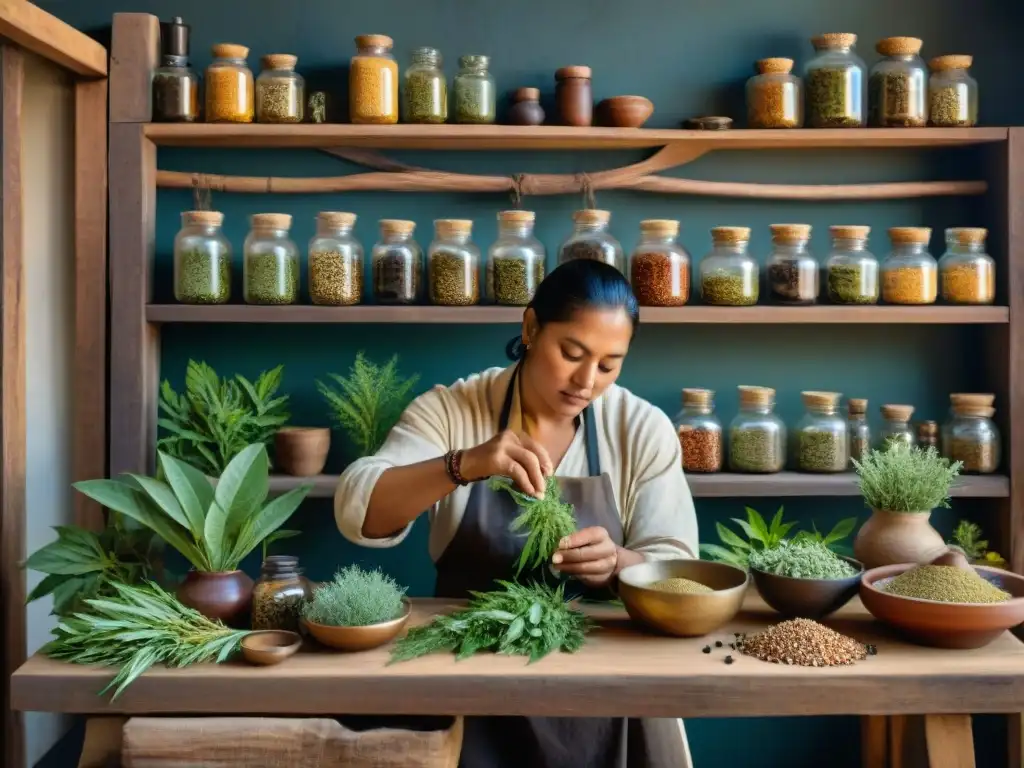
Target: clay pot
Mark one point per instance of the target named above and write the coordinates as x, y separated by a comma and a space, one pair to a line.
302, 451
225, 596
625, 111
889, 538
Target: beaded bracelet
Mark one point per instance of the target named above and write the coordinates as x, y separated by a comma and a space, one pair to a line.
453, 465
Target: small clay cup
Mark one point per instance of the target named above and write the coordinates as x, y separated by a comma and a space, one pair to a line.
270, 646
625, 111
302, 451
359, 638
807, 598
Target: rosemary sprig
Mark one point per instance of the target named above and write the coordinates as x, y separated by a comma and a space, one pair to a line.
547, 521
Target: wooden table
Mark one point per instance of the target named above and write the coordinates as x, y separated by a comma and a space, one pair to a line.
622, 671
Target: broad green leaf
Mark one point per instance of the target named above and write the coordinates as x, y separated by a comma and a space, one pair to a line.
723, 554
192, 489
56, 558
243, 487
841, 530
758, 524
65, 594
730, 538
47, 586
752, 534
163, 497
214, 536
268, 520
774, 529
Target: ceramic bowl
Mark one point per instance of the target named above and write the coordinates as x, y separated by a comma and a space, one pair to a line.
807, 598
681, 614
302, 451
359, 638
944, 625
270, 646
625, 111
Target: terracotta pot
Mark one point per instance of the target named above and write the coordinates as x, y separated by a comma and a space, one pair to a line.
889, 538
302, 451
225, 596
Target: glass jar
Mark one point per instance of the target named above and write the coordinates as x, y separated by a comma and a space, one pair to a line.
425, 88
574, 97
175, 84
280, 90
834, 83
659, 267
851, 268
821, 435
229, 85
526, 108
453, 264
928, 435
590, 239
898, 85
475, 99
202, 259
728, 274
373, 82
700, 432
271, 267
896, 426
279, 594
757, 437
952, 93
858, 430
970, 436
967, 275
775, 97
397, 263
335, 261
909, 272
792, 272
515, 261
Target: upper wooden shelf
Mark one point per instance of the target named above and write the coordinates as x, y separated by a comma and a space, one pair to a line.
550, 137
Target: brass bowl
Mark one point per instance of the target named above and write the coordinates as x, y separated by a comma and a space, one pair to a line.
359, 638
807, 598
683, 615
270, 646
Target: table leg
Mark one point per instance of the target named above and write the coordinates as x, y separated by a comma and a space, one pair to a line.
1016, 745
102, 745
874, 741
950, 741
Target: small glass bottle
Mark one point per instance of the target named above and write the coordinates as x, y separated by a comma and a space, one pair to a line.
475, 99
728, 273
898, 85
271, 266
590, 239
202, 259
373, 82
279, 594
280, 90
335, 261
425, 88
659, 267
792, 272
175, 84
397, 264
952, 93
700, 432
967, 275
834, 83
858, 429
775, 96
757, 437
453, 264
970, 436
821, 437
928, 435
515, 261
896, 426
574, 97
909, 272
229, 85
852, 270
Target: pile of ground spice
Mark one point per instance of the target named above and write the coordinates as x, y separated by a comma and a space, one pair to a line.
946, 584
803, 642
680, 586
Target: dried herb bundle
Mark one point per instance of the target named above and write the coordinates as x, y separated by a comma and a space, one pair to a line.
547, 521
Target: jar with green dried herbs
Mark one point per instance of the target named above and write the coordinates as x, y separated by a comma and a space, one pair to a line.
791, 269
699, 431
820, 438
858, 429
453, 264
851, 269
971, 436
515, 261
202, 259
757, 437
659, 267
896, 426
898, 85
590, 239
397, 264
834, 83
775, 96
475, 97
335, 261
729, 275
425, 88
952, 92
279, 594
271, 264
280, 90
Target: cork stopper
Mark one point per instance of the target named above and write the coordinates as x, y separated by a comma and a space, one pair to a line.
271, 220
516, 217
229, 51
950, 61
574, 71
664, 227
697, 398
202, 218
397, 226
448, 227
958, 399
336, 218
849, 231
790, 233
725, 235
755, 395
897, 412
591, 216
857, 406
374, 41
910, 234
834, 40
279, 61
820, 399
899, 46
774, 66
967, 235
526, 94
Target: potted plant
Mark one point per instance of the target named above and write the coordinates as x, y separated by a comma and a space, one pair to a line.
356, 611
967, 538
214, 528
902, 485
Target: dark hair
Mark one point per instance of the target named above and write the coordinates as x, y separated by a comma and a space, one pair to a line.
578, 284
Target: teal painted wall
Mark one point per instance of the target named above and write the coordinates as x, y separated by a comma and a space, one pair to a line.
690, 58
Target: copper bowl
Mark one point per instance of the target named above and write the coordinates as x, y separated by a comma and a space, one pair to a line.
683, 615
359, 638
625, 111
807, 598
270, 646
944, 625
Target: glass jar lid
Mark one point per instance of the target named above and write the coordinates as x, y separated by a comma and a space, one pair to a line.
229, 51
849, 231
474, 61
813, 399
904, 235
374, 41
526, 94
790, 233
397, 226
697, 398
202, 218
450, 227
573, 72
730, 235
834, 40
591, 216
857, 406
271, 220
958, 399
516, 217
950, 61
899, 46
336, 219
897, 412
279, 61
755, 396
966, 235
660, 227
774, 66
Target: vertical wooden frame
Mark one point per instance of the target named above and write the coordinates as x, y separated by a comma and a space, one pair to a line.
1013, 351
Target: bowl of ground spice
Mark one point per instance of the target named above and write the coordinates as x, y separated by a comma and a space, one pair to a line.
943, 605
805, 579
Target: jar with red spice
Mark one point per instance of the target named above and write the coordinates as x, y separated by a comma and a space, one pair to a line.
700, 432
659, 266
574, 97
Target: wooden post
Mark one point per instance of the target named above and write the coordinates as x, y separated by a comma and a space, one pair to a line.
1014, 351
134, 54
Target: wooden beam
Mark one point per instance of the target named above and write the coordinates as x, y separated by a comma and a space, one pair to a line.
1015, 352
950, 741
35, 30
134, 54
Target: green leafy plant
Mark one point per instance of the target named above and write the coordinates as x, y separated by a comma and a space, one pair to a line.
213, 528
137, 627
832, 539
967, 536
760, 535
214, 419
906, 479
369, 402
355, 598
546, 521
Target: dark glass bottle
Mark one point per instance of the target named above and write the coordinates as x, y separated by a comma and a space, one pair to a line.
175, 84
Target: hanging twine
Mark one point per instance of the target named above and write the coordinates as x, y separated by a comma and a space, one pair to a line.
516, 193
587, 189
202, 195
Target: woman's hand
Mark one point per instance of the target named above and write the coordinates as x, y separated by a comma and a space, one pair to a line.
517, 456
589, 554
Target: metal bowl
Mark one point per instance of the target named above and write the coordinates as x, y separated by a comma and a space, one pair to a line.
807, 598
683, 615
359, 638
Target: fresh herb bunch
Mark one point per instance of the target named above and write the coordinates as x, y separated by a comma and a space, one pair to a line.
760, 535
520, 620
355, 598
906, 478
967, 536
136, 628
547, 521
801, 560
368, 403
215, 419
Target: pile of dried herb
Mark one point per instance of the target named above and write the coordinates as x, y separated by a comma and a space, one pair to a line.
547, 521
801, 560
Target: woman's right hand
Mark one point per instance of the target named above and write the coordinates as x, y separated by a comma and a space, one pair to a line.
517, 456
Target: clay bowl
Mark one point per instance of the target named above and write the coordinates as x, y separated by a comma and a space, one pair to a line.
680, 614
625, 111
944, 625
302, 451
359, 638
807, 598
270, 646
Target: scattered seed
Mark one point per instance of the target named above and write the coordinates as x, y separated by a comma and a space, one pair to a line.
706, 649
728, 659
718, 643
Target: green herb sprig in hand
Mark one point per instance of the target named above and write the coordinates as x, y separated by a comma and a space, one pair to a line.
906, 478
355, 598
547, 521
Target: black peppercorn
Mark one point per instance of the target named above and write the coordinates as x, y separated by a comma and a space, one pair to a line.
707, 649
718, 643
728, 659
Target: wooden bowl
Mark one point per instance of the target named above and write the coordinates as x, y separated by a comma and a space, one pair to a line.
359, 638
944, 625
625, 111
683, 615
302, 451
270, 646
807, 598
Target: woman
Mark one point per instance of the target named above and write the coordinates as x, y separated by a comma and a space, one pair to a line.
556, 411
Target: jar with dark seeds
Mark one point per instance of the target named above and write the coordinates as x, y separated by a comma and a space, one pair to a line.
791, 269
279, 594
397, 264
335, 261
202, 259
453, 264
271, 267
590, 239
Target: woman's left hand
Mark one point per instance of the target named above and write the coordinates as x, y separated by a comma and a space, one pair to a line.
588, 554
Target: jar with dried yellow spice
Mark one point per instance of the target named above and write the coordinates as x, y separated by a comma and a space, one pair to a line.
910, 272
373, 82
230, 92
335, 261
775, 96
967, 275
280, 90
